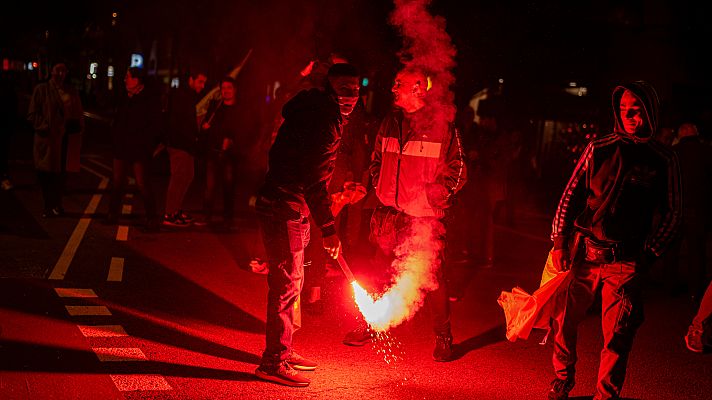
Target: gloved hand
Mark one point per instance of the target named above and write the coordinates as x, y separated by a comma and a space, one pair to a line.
561, 259
438, 195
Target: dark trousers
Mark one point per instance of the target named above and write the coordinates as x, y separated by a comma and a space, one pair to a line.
182, 171
120, 175
52, 186
285, 241
622, 314
389, 230
220, 171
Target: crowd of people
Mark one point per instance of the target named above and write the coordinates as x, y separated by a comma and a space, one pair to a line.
358, 183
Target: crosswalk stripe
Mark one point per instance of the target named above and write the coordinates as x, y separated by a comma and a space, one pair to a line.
122, 234
102, 330
76, 293
136, 382
116, 354
116, 269
87, 310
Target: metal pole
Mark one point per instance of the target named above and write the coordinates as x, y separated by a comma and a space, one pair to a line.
345, 268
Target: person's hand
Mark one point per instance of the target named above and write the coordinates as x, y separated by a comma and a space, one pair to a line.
332, 245
226, 144
561, 259
437, 195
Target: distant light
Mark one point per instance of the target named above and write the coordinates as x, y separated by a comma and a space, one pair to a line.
30, 66
364, 82
88, 76
93, 76
114, 15
572, 84
93, 67
585, 126
136, 60
500, 80
35, 64
175, 82
113, 22
430, 84
110, 71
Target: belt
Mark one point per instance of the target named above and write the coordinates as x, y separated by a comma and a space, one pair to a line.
605, 253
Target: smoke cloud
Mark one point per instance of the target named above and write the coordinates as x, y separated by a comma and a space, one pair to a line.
428, 47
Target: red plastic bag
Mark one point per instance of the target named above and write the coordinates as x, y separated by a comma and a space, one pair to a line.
524, 311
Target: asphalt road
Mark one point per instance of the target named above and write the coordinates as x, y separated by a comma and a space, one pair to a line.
89, 311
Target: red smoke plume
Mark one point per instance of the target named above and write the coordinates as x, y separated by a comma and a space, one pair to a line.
428, 47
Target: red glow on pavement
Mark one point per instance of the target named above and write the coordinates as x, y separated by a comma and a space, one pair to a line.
415, 266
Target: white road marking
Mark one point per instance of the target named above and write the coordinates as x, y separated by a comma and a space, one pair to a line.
133, 383
77, 293
122, 234
102, 330
87, 310
65, 259
116, 354
126, 209
116, 269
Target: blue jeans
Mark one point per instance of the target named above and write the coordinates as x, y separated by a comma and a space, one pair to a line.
285, 241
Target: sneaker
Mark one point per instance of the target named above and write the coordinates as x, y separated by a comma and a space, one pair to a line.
560, 389
53, 212
443, 348
301, 363
185, 216
175, 220
694, 339
283, 374
358, 337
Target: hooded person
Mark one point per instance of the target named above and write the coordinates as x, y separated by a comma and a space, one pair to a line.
301, 163
620, 209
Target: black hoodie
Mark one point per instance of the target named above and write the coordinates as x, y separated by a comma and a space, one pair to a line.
301, 161
619, 184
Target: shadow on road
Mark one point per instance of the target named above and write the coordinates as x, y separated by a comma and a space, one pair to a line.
17, 356
490, 336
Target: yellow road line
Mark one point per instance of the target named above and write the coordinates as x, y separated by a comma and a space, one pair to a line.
114, 354
65, 259
77, 293
116, 269
102, 330
122, 234
87, 310
140, 382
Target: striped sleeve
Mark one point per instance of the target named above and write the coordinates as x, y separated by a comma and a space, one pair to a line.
572, 200
670, 213
454, 174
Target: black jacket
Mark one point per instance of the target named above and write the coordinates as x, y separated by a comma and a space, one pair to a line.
137, 129
181, 120
619, 184
301, 160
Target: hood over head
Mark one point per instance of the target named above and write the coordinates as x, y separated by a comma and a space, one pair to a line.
651, 105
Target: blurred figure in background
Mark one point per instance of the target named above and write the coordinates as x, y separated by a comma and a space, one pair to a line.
8, 120
56, 115
181, 140
696, 172
136, 133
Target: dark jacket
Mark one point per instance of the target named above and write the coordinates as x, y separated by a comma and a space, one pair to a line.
224, 124
301, 160
696, 169
406, 163
619, 184
182, 123
136, 129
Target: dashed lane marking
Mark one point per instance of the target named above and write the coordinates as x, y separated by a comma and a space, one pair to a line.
129, 195
133, 383
65, 259
117, 354
73, 292
87, 310
116, 269
122, 234
100, 164
102, 331
126, 209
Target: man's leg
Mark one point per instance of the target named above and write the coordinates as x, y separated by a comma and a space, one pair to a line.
119, 172
144, 185
622, 315
182, 172
577, 297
